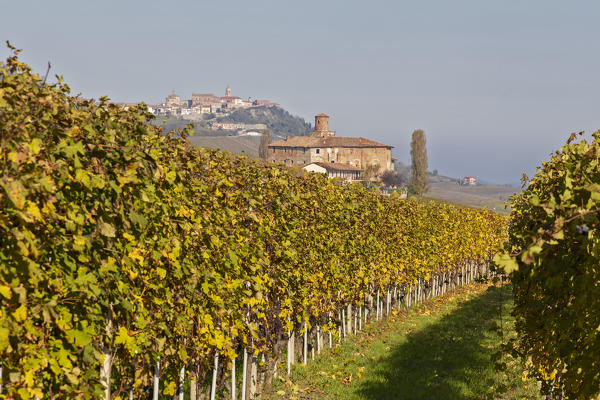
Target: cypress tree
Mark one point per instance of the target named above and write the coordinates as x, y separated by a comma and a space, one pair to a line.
265, 141
418, 155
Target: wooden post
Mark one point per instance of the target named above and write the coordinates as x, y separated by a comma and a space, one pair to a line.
253, 376
350, 319
193, 388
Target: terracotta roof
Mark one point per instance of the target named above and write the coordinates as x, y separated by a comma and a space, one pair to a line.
230, 97
330, 141
322, 115
204, 94
336, 166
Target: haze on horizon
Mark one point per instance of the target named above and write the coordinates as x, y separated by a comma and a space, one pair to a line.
497, 86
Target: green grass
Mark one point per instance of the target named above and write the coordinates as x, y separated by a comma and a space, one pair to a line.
439, 351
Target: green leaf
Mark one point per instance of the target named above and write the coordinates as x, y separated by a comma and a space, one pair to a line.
106, 229
506, 262
16, 193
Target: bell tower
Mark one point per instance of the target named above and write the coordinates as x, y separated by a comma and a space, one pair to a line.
228, 91
322, 126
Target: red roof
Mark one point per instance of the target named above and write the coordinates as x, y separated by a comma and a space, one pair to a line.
230, 97
330, 141
322, 115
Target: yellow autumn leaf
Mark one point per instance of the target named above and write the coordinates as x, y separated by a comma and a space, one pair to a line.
5, 291
20, 314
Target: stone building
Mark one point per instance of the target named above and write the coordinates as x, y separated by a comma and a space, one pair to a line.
204, 99
322, 146
173, 100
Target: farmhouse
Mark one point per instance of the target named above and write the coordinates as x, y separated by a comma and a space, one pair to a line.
322, 146
335, 170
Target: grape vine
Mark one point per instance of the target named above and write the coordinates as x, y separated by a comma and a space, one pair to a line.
118, 240
554, 261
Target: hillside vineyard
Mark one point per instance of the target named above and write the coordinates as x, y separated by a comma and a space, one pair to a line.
129, 254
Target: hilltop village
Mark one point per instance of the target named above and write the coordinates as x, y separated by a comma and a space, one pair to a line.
208, 107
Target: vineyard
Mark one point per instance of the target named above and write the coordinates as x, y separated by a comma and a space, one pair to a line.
134, 263
555, 258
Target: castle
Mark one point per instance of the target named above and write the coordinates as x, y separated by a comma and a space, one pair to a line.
340, 156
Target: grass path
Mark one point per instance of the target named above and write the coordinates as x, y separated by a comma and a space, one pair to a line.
440, 350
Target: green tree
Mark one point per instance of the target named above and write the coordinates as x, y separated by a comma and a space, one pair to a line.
265, 141
418, 155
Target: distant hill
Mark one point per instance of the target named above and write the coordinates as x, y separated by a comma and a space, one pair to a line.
280, 122
447, 189
236, 144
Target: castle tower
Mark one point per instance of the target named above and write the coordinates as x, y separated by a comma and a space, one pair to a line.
322, 126
228, 91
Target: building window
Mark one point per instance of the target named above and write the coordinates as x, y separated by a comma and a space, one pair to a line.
318, 151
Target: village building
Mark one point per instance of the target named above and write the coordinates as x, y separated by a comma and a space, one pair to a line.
335, 170
469, 180
205, 99
322, 146
173, 100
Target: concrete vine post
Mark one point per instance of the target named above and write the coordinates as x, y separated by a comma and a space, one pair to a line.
213, 387
245, 373
233, 384
106, 368
156, 380
181, 382
377, 310
305, 344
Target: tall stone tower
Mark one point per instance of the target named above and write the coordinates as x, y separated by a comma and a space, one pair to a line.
322, 126
228, 91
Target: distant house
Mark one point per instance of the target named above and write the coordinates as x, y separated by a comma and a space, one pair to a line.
469, 180
335, 170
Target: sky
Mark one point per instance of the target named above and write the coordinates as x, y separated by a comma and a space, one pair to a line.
497, 86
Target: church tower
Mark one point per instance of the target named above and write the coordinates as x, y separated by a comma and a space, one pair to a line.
228, 91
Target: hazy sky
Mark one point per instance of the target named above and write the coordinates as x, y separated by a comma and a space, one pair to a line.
496, 85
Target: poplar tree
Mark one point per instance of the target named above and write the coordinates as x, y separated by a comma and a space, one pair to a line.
265, 141
418, 155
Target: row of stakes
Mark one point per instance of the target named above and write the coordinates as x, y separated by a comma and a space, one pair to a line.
351, 322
